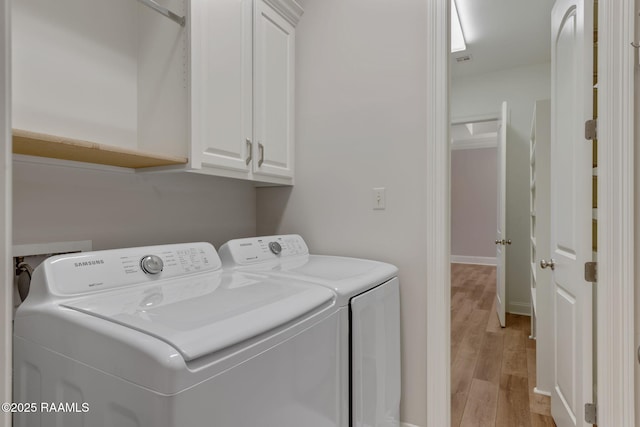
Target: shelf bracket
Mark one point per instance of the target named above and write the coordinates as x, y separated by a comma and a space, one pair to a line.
164, 11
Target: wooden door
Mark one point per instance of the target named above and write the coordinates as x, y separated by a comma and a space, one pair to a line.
570, 207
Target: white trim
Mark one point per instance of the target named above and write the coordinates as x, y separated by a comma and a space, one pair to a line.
490, 141
476, 260
615, 301
519, 307
6, 270
291, 10
407, 425
438, 292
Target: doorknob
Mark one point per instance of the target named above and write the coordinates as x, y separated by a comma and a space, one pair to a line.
551, 263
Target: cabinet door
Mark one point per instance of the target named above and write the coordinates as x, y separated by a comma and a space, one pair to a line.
274, 56
221, 84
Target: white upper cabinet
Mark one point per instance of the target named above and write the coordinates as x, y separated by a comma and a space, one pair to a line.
243, 77
215, 94
222, 79
274, 54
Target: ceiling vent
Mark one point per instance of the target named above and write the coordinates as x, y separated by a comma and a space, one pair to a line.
463, 58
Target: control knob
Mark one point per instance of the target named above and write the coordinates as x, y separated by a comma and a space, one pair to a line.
275, 247
151, 264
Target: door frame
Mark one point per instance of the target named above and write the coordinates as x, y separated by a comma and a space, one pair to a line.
615, 288
615, 304
6, 259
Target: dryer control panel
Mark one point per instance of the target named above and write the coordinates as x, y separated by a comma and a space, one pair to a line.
87, 272
255, 250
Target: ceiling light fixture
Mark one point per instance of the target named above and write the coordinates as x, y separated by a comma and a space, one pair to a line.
457, 36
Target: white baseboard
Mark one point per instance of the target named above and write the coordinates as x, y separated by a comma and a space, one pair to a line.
536, 390
522, 308
407, 425
479, 260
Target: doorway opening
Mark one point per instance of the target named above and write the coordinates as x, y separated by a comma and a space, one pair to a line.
493, 369
474, 174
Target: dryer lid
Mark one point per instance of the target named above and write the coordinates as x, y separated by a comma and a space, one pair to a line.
207, 313
348, 277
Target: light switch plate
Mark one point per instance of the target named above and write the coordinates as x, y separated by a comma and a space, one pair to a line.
379, 198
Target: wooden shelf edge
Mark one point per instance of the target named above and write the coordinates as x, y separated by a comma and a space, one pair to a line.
57, 147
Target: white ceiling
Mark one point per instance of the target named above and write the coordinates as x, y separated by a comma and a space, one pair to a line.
503, 34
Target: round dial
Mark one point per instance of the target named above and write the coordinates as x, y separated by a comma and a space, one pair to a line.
151, 264
275, 247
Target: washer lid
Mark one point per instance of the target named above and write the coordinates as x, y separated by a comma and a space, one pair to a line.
206, 313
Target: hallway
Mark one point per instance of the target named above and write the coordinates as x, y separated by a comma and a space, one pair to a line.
492, 369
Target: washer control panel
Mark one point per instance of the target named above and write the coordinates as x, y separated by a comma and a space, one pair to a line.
94, 271
255, 250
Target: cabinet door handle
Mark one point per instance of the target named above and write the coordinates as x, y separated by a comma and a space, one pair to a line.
249, 151
261, 147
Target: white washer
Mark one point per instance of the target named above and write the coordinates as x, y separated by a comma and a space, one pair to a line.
161, 337
368, 296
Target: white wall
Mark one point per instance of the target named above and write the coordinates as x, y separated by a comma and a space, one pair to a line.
361, 123
474, 199
482, 95
118, 209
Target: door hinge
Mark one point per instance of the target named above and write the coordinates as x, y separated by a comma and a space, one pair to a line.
591, 413
591, 129
591, 271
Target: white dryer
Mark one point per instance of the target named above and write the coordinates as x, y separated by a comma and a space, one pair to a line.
368, 296
162, 337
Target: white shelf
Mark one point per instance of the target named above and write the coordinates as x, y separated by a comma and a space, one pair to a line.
534, 303
534, 272
541, 302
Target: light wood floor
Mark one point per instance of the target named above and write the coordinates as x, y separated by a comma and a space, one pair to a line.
493, 369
